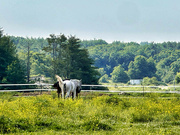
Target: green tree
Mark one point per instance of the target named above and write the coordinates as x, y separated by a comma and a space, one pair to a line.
150, 81
104, 79
11, 70
88, 43
55, 48
151, 67
167, 68
131, 72
78, 63
40, 64
177, 77
175, 66
30, 53
28, 45
102, 71
7, 54
169, 77
141, 67
119, 75
71, 61
15, 73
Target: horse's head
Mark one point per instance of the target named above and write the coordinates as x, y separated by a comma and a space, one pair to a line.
78, 84
55, 85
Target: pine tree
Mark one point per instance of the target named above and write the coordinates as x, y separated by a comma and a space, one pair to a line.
11, 70
70, 60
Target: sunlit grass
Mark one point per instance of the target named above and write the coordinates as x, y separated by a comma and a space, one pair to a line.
113, 114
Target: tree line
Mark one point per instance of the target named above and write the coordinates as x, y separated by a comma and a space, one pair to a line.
22, 58
90, 60
120, 62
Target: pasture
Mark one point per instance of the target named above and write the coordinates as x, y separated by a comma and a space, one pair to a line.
92, 113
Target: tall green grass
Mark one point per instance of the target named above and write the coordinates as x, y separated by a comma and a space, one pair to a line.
114, 114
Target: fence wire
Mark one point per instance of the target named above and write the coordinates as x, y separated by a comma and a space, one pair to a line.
48, 87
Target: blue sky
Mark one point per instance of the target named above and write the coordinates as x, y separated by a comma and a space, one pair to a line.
110, 20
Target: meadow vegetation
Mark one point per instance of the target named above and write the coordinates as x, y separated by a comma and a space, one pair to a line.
106, 114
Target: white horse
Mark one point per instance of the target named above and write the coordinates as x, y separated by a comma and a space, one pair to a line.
67, 87
78, 84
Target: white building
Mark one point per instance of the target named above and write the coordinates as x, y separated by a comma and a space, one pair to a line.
135, 81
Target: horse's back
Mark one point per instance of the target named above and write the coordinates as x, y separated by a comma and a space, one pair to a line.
69, 85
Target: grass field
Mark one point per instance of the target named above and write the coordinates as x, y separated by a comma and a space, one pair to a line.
123, 87
91, 114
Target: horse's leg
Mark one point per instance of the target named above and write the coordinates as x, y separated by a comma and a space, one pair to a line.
74, 93
58, 91
62, 94
67, 94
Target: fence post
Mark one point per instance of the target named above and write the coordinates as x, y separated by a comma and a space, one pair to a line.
91, 91
174, 82
143, 90
41, 89
143, 87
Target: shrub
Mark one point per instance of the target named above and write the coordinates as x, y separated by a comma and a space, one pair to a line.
113, 100
151, 81
95, 125
5, 124
141, 116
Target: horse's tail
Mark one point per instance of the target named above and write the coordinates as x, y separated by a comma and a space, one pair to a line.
60, 84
